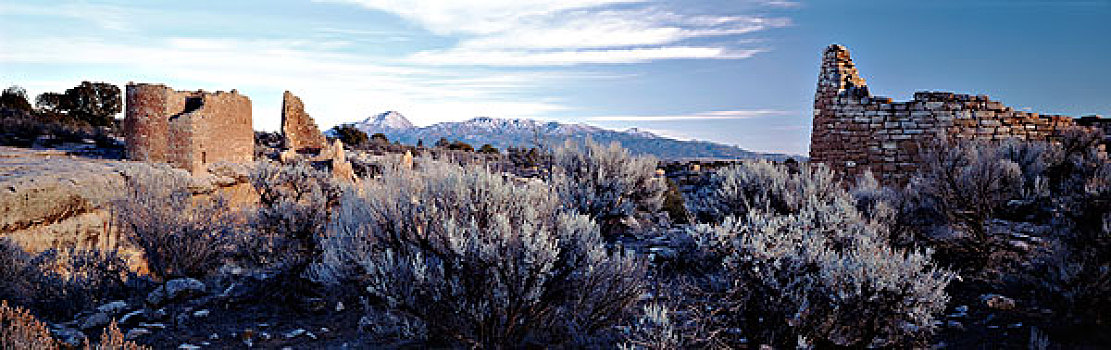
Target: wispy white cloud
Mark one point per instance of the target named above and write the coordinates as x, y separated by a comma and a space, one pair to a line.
540, 33
453, 17
481, 59
710, 115
783, 3
337, 87
563, 58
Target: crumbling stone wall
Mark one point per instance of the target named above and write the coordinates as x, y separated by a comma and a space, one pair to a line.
188, 129
299, 129
856, 132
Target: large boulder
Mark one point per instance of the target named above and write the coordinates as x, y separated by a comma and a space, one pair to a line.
69, 337
177, 289
114, 308
94, 321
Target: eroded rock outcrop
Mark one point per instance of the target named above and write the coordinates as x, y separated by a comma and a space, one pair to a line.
49, 199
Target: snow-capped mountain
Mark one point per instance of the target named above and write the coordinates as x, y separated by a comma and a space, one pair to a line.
527, 133
387, 121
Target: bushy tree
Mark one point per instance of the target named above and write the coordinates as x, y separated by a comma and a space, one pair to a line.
799, 264
95, 103
488, 149
92, 103
460, 146
379, 138
606, 183
464, 257
15, 98
674, 205
350, 135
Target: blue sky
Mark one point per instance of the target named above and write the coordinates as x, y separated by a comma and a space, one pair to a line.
739, 72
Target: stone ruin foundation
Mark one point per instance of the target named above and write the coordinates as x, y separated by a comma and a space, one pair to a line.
188, 129
855, 132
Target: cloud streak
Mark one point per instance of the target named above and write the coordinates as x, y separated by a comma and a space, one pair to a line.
571, 32
710, 115
333, 84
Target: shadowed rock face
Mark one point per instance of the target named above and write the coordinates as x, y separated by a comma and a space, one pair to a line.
300, 130
855, 132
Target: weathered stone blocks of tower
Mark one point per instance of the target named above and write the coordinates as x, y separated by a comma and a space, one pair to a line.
299, 129
856, 132
188, 129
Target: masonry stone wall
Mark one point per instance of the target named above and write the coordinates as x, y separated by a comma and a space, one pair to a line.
856, 132
188, 129
300, 131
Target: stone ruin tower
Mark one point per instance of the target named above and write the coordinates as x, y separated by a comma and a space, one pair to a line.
838, 81
305, 141
855, 132
188, 129
300, 131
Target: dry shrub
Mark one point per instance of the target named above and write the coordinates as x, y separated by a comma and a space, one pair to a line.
759, 185
606, 183
800, 265
463, 257
1064, 185
966, 182
21, 129
296, 202
179, 235
655, 330
112, 339
21, 330
59, 283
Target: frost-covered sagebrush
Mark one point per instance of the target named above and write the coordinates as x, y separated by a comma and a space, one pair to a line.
606, 183
295, 205
462, 256
800, 264
759, 185
178, 235
292, 212
965, 183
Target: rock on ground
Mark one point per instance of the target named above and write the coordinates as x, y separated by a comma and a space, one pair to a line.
175, 290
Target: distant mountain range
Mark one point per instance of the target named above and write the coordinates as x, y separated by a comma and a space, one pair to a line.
503, 133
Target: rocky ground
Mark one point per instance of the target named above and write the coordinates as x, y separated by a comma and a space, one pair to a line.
56, 198
189, 314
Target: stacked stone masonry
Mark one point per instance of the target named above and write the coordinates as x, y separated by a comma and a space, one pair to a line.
300, 130
188, 129
856, 132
